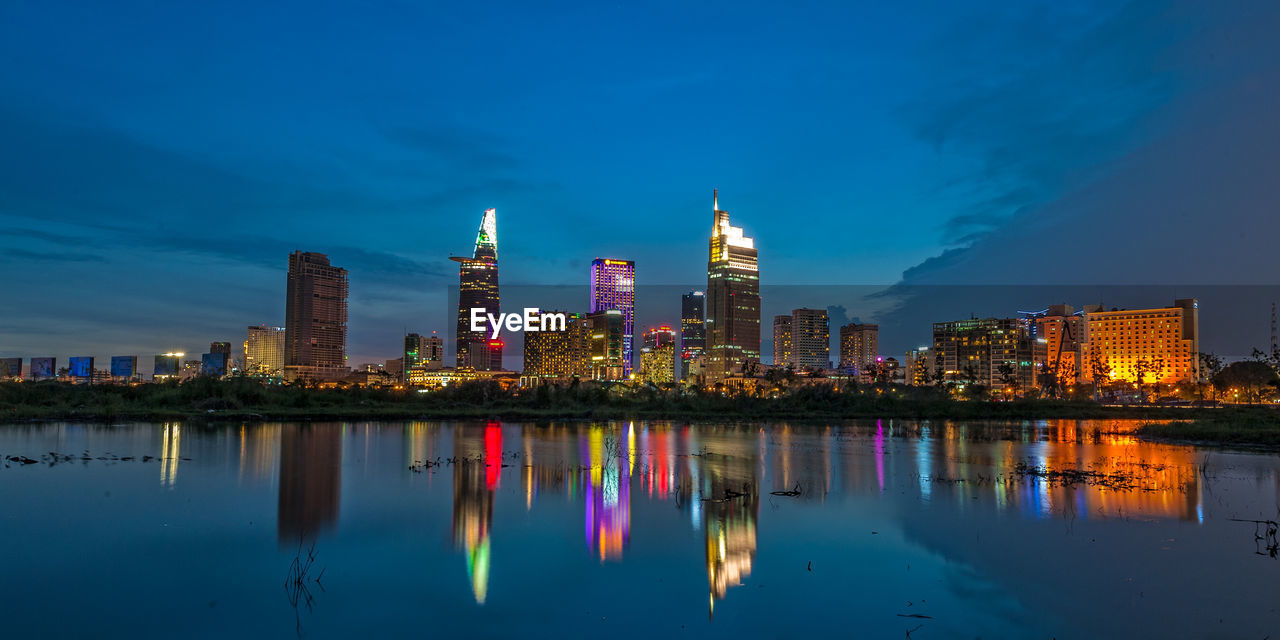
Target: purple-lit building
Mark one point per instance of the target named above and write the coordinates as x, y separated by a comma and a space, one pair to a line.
613, 286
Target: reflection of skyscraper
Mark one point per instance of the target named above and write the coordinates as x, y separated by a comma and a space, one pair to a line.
478, 288
733, 299
310, 481
693, 330
731, 487
613, 286
476, 472
608, 494
315, 318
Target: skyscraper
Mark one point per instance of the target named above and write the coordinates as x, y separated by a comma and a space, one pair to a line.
693, 329
733, 298
558, 355
264, 351
782, 353
315, 318
613, 286
810, 339
859, 346
478, 288
606, 333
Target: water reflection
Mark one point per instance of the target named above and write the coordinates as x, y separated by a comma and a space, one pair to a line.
310, 481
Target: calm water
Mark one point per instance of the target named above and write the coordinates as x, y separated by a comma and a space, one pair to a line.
631, 529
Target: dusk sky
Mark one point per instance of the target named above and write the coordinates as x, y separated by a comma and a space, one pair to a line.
158, 163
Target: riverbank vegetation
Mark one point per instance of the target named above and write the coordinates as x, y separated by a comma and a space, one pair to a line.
248, 399
1259, 427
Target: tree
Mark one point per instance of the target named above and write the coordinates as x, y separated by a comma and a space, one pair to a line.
1008, 376
1210, 367
1100, 371
1145, 367
1249, 377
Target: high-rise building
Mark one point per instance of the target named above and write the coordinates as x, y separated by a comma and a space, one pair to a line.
1057, 333
478, 288
859, 346
423, 351
264, 351
606, 332
693, 330
658, 355
613, 286
557, 356
974, 352
1143, 345
919, 367
810, 339
315, 318
782, 353
733, 298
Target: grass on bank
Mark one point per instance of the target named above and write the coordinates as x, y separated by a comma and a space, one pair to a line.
1232, 427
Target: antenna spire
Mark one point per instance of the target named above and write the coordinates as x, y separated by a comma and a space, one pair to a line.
715, 199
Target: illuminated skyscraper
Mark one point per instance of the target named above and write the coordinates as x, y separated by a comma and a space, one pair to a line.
810, 339
1143, 345
557, 356
733, 298
423, 351
973, 352
478, 288
264, 351
605, 330
315, 318
693, 329
613, 286
859, 346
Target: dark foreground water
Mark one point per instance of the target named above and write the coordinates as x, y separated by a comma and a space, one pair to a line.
631, 529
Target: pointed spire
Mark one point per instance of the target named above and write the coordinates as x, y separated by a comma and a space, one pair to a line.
715, 199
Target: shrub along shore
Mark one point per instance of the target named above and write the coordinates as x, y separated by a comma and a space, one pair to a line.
240, 399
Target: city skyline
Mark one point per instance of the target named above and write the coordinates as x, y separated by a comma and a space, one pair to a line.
940, 163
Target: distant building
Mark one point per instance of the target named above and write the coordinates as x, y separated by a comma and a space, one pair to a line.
167, 366
1143, 345
859, 346
394, 368
810, 339
693, 330
606, 331
427, 351
557, 356
315, 318
918, 366
782, 354
124, 368
975, 351
733, 298
1057, 336
215, 364
264, 351
613, 286
10, 368
478, 289
658, 355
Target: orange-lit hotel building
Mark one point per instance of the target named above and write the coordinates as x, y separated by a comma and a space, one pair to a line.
1165, 342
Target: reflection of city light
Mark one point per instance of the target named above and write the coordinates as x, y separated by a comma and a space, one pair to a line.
170, 447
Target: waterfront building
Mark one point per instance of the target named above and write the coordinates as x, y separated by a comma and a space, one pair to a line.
859, 346
557, 356
605, 330
1058, 333
782, 353
478, 288
1142, 345
264, 351
992, 352
693, 330
613, 286
315, 319
918, 367
810, 339
733, 298
420, 350
658, 355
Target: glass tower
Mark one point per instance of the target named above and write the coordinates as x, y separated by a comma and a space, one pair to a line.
613, 286
478, 288
733, 298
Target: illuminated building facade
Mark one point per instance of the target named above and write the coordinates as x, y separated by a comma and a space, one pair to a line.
810, 339
733, 298
1143, 345
782, 353
1058, 333
423, 351
264, 351
606, 356
478, 288
613, 286
315, 318
973, 352
557, 356
658, 355
918, 367
859, 346
693, 330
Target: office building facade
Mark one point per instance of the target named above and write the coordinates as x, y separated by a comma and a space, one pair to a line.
613, 286
733, 298
315, 318
693, 330
264, 351
478, 288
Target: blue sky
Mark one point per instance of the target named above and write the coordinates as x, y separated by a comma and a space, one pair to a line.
159, 162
